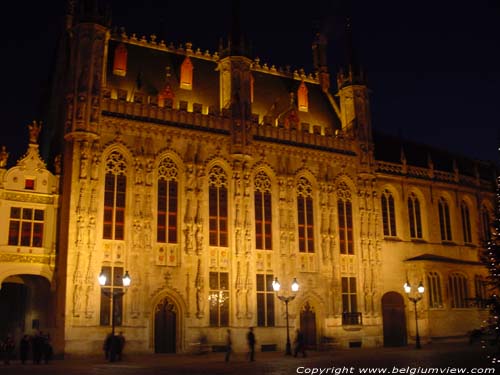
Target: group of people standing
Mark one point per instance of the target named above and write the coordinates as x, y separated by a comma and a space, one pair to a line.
113, 347
39, 343
299, 344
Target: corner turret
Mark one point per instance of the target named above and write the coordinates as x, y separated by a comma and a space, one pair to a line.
235, 79
353, 93
319, 49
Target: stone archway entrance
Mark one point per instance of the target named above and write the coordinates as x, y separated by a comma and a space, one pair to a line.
166, 316
308, 325
26, 306
394, 319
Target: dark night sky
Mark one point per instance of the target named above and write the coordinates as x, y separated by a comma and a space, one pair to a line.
433, 68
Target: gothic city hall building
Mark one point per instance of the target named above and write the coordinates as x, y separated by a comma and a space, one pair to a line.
208, 176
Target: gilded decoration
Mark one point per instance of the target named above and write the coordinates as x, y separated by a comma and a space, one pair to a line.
25, 258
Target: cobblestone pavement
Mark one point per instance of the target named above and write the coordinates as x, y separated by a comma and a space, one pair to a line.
407, 361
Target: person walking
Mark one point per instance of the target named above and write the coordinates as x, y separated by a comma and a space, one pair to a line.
24, 347
251, 344
46, 348
37, 347
106, 346
120, 346
299, 344
229, 345
8, 347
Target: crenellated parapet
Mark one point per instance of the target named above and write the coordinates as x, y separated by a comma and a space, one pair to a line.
187, 49
397, 169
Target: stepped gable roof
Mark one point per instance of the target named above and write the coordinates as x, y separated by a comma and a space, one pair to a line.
146, 73
388, 148
272, 98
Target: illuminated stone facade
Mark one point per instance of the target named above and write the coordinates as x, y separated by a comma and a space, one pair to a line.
206, 176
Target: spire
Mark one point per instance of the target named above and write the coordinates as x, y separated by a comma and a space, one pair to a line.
236, 45
319, 48
352, 74
94, 11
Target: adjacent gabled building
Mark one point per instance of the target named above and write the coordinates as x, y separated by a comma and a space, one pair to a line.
207, 176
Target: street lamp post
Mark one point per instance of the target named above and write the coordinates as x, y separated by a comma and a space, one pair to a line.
286, 299
415, 297
113, 293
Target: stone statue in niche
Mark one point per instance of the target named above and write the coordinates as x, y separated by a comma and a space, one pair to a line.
77, 300
199, 238
84, 157
95, 167
139, 170
149, 172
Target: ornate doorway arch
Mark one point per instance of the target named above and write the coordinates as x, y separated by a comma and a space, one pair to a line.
308, 325
394, 319
166, 323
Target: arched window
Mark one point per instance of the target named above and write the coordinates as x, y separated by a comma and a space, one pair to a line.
344, 207
263, 212
457, 285
388, 214
120, 60
305, 216
303, 100
415, 218
434, 290
166, 229
444, 220
217, 205
485, 218
115, 187
187, 74
466, 223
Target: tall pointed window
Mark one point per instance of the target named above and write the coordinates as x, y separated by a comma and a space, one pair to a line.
350, 314
457, 285
485, 219
263, 215
265, 300
187, 74
344, 208
466, 223
444, 220
166, 230
415, 218
303, 101
305, 216
388, 214
434, 290
115, 186
218, 298
217, 202
114, 283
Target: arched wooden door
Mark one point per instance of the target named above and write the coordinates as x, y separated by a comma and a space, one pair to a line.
394, 319
165, 327
308, 326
